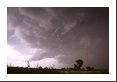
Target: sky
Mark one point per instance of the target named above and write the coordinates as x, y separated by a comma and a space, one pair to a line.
58, 36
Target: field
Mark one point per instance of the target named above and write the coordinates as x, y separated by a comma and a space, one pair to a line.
26, 70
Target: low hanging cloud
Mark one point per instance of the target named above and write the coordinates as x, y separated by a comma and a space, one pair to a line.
65, 34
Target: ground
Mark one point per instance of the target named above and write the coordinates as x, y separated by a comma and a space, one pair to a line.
21, 70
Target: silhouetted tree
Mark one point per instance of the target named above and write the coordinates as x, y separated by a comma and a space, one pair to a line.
40, 67
78, 64
9, 65
37, 66
75, 66
28, 64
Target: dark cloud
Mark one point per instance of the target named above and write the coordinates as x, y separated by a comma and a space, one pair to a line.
65, 34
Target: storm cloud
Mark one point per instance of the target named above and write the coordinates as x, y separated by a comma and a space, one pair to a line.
63, 33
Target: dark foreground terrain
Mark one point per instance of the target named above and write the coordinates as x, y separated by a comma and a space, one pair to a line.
21, 70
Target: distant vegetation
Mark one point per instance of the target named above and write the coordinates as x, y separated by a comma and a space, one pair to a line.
46, 70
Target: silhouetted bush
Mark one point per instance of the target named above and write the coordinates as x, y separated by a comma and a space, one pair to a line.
89, 68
